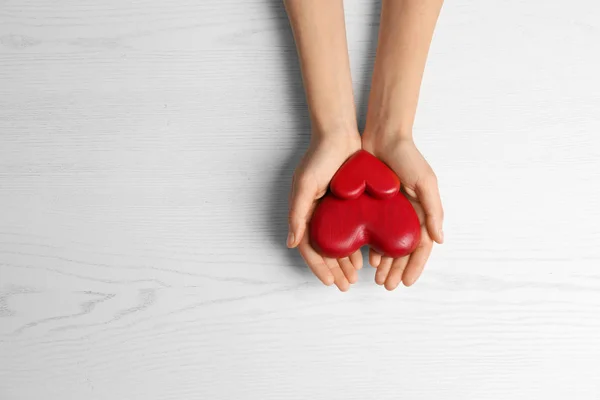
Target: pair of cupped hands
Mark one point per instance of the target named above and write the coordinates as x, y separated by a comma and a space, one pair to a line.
325, 155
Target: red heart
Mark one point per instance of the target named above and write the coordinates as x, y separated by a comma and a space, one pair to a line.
340, 227
364, 171
364, 207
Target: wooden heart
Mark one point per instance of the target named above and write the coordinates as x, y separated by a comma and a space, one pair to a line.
340, 227
363, 171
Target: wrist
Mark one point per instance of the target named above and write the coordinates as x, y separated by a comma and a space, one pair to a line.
339, 130
389, 123
391, 111
378, 141
345, 141
384, 134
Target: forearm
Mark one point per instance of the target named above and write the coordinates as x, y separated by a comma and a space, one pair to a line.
320, 34
405, 34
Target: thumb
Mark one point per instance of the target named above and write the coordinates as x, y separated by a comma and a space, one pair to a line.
301, 204
429, 197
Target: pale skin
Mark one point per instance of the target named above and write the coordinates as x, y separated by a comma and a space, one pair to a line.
405, 35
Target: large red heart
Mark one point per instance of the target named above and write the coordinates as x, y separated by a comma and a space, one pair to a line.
340, 227
341, 223
363, 171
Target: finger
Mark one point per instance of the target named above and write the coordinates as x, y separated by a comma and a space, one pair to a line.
374, 258
395, 276
383, 269
356, 259
315, 262
417, 260
339, 278
348, 269
429, 197
301, 204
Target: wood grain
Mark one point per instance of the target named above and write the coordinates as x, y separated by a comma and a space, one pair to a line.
146, 150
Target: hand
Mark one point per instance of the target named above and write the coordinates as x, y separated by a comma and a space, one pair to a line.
419, 183
311, 179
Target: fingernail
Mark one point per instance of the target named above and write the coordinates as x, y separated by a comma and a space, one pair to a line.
290, 239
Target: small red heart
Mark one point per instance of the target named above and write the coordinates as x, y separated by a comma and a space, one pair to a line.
363, 171
340, 227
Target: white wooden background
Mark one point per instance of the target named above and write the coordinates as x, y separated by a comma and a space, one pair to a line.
146, 149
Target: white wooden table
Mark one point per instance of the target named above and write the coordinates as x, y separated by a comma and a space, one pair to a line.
146, 149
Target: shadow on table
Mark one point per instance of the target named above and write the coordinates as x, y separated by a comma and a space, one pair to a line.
278, 206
